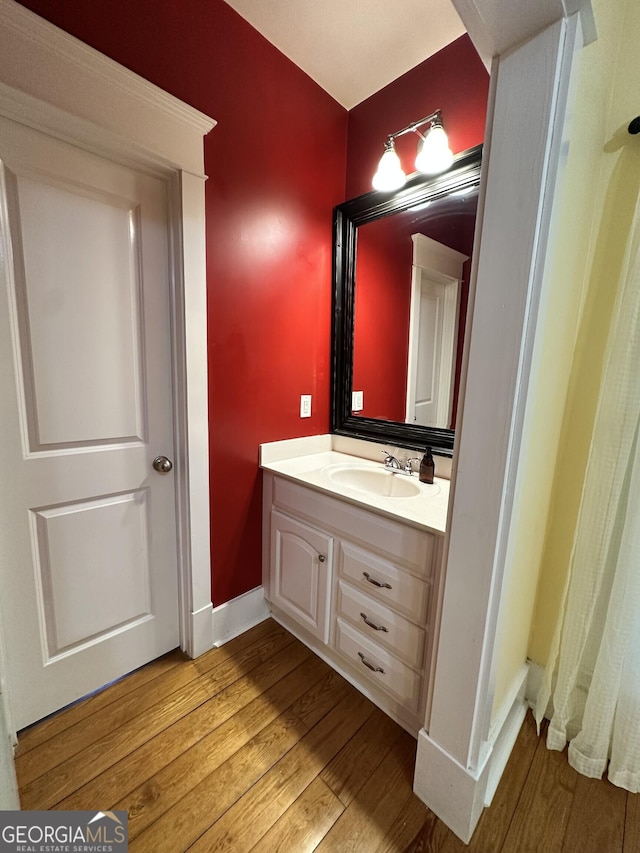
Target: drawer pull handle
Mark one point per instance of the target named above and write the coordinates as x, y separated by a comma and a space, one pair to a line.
370, 665
375, 582
373, 625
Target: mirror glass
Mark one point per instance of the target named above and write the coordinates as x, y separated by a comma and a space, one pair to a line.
401, 273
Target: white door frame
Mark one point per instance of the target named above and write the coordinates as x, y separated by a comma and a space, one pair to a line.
443, 265
54, 83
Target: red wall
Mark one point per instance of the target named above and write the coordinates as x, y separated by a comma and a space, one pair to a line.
276, 163
382, 301
276, 166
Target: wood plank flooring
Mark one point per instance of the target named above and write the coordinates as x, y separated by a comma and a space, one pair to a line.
259, 746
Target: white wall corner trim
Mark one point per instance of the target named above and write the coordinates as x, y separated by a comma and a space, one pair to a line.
238, 615
523, 138
452, 792
457, 794
495, 26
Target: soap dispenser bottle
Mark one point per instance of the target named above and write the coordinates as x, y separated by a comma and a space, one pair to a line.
427, 467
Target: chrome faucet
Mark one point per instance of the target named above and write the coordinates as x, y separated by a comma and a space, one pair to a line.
391, 462
408, 469
394, 464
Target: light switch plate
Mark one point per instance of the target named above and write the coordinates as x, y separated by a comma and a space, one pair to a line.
305, 405
357, 401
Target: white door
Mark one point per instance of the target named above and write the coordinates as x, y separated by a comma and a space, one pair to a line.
433, 331
429, 353
87, 526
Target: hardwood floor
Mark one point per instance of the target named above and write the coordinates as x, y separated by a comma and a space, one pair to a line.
259, 746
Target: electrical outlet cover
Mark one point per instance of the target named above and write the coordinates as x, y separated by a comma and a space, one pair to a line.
305, 405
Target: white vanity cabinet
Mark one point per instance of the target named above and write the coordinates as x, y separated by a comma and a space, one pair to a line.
356, 586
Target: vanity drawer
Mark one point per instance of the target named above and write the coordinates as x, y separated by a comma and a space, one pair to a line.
384, 581
389, 673
385, 627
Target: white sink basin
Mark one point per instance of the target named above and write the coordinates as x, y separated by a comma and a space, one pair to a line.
376, 481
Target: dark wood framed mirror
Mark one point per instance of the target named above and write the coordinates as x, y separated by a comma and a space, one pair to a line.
376, 282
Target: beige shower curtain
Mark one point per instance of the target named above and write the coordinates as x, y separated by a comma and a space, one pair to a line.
593, 672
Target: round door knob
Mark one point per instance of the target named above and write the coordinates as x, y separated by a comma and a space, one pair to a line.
162, 464
321, 558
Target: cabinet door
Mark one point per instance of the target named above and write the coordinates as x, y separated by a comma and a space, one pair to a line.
301, 559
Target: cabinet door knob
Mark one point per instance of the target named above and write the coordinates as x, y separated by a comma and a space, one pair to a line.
373, 625
370, 665
321, 558
375, 582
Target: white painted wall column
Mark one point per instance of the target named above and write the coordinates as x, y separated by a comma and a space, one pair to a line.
522, 153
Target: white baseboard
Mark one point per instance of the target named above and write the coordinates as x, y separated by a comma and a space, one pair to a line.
238, 615
456, 794
201, 635
504, 730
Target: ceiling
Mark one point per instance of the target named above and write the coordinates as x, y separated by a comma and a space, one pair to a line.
352, 48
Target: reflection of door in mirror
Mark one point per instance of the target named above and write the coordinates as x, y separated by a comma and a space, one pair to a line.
433, 330
387, 368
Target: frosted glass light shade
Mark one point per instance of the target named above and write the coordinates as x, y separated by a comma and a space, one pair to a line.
389, 175
434, 155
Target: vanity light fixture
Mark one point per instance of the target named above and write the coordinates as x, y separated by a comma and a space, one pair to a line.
434, 155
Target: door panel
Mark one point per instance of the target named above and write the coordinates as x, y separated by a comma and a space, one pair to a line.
78, 297
88, 551
87, 527
429, 337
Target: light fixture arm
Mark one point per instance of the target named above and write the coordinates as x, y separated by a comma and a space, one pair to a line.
434, 118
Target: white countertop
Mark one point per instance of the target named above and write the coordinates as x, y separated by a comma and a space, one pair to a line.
427, 510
